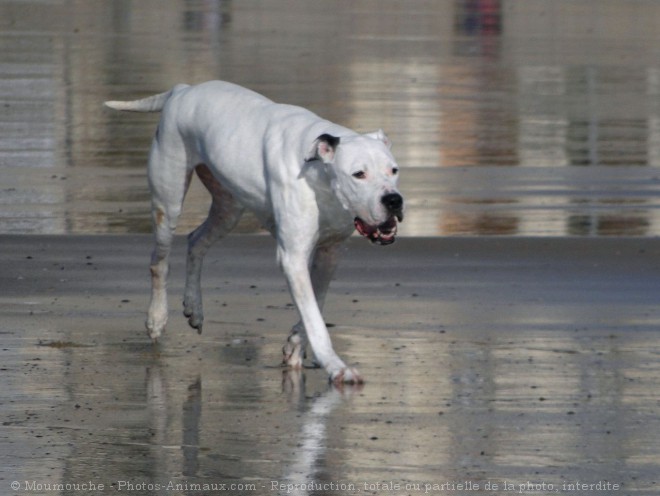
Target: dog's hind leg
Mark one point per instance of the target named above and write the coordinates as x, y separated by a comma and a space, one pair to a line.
224, 214
169, 177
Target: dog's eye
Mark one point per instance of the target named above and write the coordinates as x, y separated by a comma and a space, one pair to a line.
395, 171
359, 175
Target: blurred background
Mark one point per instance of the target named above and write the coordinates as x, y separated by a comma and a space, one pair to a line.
529, 118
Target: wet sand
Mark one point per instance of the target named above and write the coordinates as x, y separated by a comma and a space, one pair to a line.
488, 361
491, 362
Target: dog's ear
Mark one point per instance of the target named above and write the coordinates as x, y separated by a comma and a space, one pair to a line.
380, 135
323, 149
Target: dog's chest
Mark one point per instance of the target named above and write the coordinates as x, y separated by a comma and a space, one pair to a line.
335, 222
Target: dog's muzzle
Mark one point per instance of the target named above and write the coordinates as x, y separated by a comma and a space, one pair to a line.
385, 233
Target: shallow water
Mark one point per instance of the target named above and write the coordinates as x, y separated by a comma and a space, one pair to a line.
548, 378
519, 118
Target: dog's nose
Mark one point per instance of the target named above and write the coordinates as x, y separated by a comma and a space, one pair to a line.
393, 202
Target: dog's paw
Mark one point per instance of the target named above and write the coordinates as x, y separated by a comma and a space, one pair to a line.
154, 328
192, 310
195, 317
156, 318
293, 352
346, 376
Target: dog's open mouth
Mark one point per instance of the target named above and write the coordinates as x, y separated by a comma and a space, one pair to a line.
382, 234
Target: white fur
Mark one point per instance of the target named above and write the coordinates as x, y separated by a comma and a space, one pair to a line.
252, 153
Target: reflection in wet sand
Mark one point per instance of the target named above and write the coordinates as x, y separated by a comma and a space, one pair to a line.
304, 475
554, 406
547, 85
488, 359
190, 442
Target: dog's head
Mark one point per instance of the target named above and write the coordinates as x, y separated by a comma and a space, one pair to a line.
364, 176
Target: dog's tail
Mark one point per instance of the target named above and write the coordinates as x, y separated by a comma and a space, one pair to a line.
153, 103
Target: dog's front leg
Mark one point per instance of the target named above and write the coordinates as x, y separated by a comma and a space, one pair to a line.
323, 267
295, 265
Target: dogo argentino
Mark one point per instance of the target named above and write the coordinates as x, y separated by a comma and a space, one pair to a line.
310, 182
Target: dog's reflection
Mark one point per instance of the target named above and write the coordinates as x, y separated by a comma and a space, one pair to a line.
316, 411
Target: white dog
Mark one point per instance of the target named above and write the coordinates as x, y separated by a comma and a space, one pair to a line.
310, 182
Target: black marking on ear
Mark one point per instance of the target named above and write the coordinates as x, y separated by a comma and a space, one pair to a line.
323, 149
333, 141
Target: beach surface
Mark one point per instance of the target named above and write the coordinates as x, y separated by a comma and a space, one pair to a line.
489, 361
522, 358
